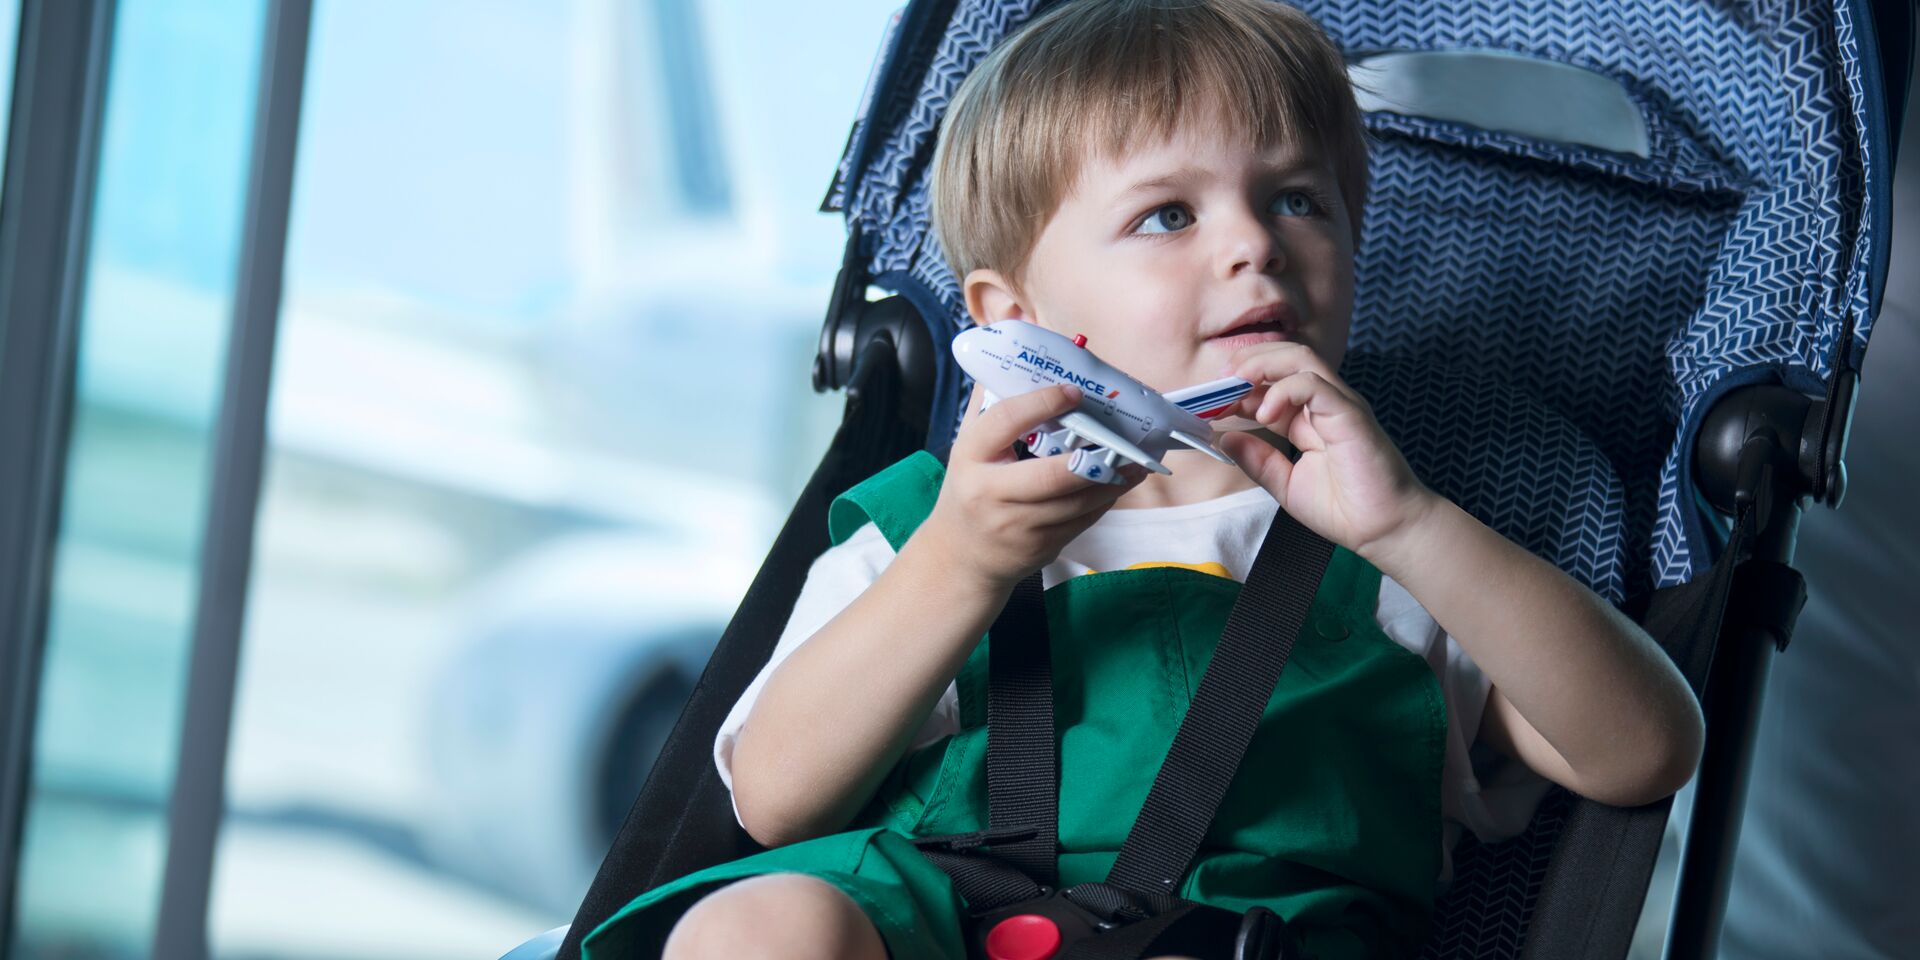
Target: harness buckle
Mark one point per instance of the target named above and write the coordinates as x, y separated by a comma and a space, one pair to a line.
1049, 926
1018, 931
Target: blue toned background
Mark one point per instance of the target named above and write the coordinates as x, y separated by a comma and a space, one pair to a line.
553, 279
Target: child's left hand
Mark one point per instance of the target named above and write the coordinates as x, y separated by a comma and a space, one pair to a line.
1350, 484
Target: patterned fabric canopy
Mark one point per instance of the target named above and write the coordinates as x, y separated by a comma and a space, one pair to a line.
1540, 325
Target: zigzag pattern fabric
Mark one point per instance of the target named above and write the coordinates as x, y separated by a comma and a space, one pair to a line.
1613, 290
1567, 504
1486, 911
1562, 323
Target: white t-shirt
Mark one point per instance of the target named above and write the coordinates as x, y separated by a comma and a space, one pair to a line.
1481, 791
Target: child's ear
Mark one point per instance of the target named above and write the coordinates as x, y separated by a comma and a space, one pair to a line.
991, 299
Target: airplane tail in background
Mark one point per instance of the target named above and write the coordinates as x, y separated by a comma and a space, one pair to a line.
1209, 400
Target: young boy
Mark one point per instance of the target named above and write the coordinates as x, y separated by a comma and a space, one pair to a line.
1180, 181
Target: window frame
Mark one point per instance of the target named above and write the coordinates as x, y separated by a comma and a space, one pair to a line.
238, 448
46, 201
46, 204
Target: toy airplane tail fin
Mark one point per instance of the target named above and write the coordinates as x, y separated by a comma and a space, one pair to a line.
1211, 399
1204, 446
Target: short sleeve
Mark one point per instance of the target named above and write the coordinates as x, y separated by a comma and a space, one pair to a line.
836, 578
1481, 791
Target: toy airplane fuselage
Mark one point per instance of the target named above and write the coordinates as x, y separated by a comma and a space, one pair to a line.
1118, 416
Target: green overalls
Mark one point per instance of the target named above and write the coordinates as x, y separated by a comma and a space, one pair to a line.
1333, 821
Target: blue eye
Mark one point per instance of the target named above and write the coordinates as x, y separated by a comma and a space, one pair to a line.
1170, 218
1295, 203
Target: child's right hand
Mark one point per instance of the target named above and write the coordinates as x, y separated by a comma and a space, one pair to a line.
1001, 517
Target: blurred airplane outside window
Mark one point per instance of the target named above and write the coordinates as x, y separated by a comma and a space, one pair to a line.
541, 398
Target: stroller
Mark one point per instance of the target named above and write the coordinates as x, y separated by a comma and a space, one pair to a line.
1620, 319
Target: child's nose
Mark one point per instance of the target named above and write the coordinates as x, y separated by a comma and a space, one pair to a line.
1250, 244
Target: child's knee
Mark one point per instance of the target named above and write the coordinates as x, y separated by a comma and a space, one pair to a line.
785, 915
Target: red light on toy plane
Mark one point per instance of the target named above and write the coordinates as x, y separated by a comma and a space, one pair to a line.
1079, 339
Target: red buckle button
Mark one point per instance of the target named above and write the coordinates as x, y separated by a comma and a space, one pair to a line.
1028, 936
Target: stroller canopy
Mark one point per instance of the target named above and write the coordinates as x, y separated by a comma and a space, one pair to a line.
1541, 323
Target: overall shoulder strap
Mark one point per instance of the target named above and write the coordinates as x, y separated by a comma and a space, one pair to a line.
896, 499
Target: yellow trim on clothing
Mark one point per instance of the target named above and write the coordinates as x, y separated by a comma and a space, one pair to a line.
1210, 567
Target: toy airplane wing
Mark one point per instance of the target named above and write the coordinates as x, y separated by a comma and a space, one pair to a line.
1211, 399
1097, 432
1204, 445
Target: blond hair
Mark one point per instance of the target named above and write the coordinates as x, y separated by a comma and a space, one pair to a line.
1101, 74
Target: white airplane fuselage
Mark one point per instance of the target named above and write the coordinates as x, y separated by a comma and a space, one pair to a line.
1014, 357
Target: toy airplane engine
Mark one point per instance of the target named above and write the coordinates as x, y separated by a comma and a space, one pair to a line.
1118, 416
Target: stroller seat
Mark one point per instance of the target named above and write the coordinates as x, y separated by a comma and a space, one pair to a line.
1546, 327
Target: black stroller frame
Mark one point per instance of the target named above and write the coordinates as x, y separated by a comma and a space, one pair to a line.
1574, 884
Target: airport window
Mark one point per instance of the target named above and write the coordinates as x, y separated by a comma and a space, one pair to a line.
158, 297
541, 398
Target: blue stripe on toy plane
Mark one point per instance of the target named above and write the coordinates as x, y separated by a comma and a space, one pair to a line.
1207, 400
1213, 403
1214, 396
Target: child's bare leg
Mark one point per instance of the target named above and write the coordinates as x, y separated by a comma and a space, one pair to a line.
787, 915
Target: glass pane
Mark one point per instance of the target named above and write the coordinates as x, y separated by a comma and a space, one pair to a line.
166, 230
506, 511
9, 43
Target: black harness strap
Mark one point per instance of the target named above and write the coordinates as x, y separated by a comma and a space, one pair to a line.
984, 882
1022, 775
1023, 783
1131, 941
1226, 709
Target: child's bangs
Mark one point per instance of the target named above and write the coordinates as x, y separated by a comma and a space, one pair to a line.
1242, 80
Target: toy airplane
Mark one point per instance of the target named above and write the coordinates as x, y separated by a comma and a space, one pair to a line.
1118, 416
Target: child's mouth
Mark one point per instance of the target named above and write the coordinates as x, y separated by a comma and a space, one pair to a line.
1265, 332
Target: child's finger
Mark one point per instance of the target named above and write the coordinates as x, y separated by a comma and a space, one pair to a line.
974, 400
1273, 362
1089, 498
1268, 362
1044, 479
989, 435
1082, 506
1307, 391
